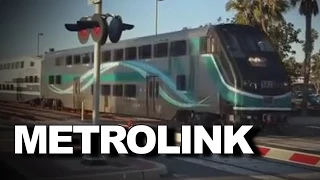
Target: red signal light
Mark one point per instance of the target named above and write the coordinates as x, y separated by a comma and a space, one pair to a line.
97, 30
84, 33
83, 36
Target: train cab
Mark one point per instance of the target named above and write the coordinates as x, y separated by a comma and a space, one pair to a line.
253, 75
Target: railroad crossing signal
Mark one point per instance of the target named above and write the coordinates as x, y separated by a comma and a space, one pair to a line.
99, 29
99, 33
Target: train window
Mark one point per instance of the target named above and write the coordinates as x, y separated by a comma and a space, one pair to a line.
117, 90
31, 64
86, 58
21, 64
69, 60
178, 48
207, 45
150, 88
106, 56
26, 79
17, 65
130, 90
3, 87
11, 87
51, 79
58, 79
31, 79
20, 80
160, 50
118, 55
7, 87
92, 57
76, 59
35, 79
157, 89
131, 53
12, 65
181, 82
58, 61
145, 52
0, 66
105, 90
0, 87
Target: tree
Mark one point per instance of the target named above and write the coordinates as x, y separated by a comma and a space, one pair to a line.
307, 8
282, 35
315, 71
314, 37
243, 8
293, 68
255, 13
258, 13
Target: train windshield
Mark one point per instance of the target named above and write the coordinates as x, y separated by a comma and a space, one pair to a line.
252, 52
242, 43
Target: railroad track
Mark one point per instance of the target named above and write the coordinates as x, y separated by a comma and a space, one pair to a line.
27, 112
43, 112
35, 116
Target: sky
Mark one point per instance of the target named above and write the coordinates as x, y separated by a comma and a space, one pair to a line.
22, 20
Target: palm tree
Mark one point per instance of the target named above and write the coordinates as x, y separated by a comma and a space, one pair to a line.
315, 68
259, 13
243, 8
307, 8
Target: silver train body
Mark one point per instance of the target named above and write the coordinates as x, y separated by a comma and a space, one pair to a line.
20, 79
215, 69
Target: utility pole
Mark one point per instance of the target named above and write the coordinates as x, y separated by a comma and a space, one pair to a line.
96, 76
156, 25
99, 29
157, 16
38, 44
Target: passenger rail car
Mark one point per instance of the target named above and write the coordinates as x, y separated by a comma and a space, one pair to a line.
232, 71
20, 79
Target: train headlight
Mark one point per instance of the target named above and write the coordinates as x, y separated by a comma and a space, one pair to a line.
255, 60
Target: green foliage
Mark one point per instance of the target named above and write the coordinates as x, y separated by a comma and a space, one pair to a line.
314, 37
283, 35
306, 6
293, 68
269, 17
315, 70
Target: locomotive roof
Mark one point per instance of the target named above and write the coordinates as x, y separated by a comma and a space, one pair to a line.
22, 58
185, 32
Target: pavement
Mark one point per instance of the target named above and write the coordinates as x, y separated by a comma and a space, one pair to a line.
177, 167
63, 168
200, 168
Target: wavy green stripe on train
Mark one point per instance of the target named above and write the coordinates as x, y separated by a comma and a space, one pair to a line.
231, 94
240, 98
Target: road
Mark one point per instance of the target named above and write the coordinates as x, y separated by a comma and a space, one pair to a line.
213, 167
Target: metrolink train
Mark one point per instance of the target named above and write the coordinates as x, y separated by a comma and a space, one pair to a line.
230, 71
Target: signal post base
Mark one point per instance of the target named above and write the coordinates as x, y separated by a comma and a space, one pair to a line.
94, 160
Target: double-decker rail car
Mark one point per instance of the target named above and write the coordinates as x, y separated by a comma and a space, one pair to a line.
228, 70
20, 79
